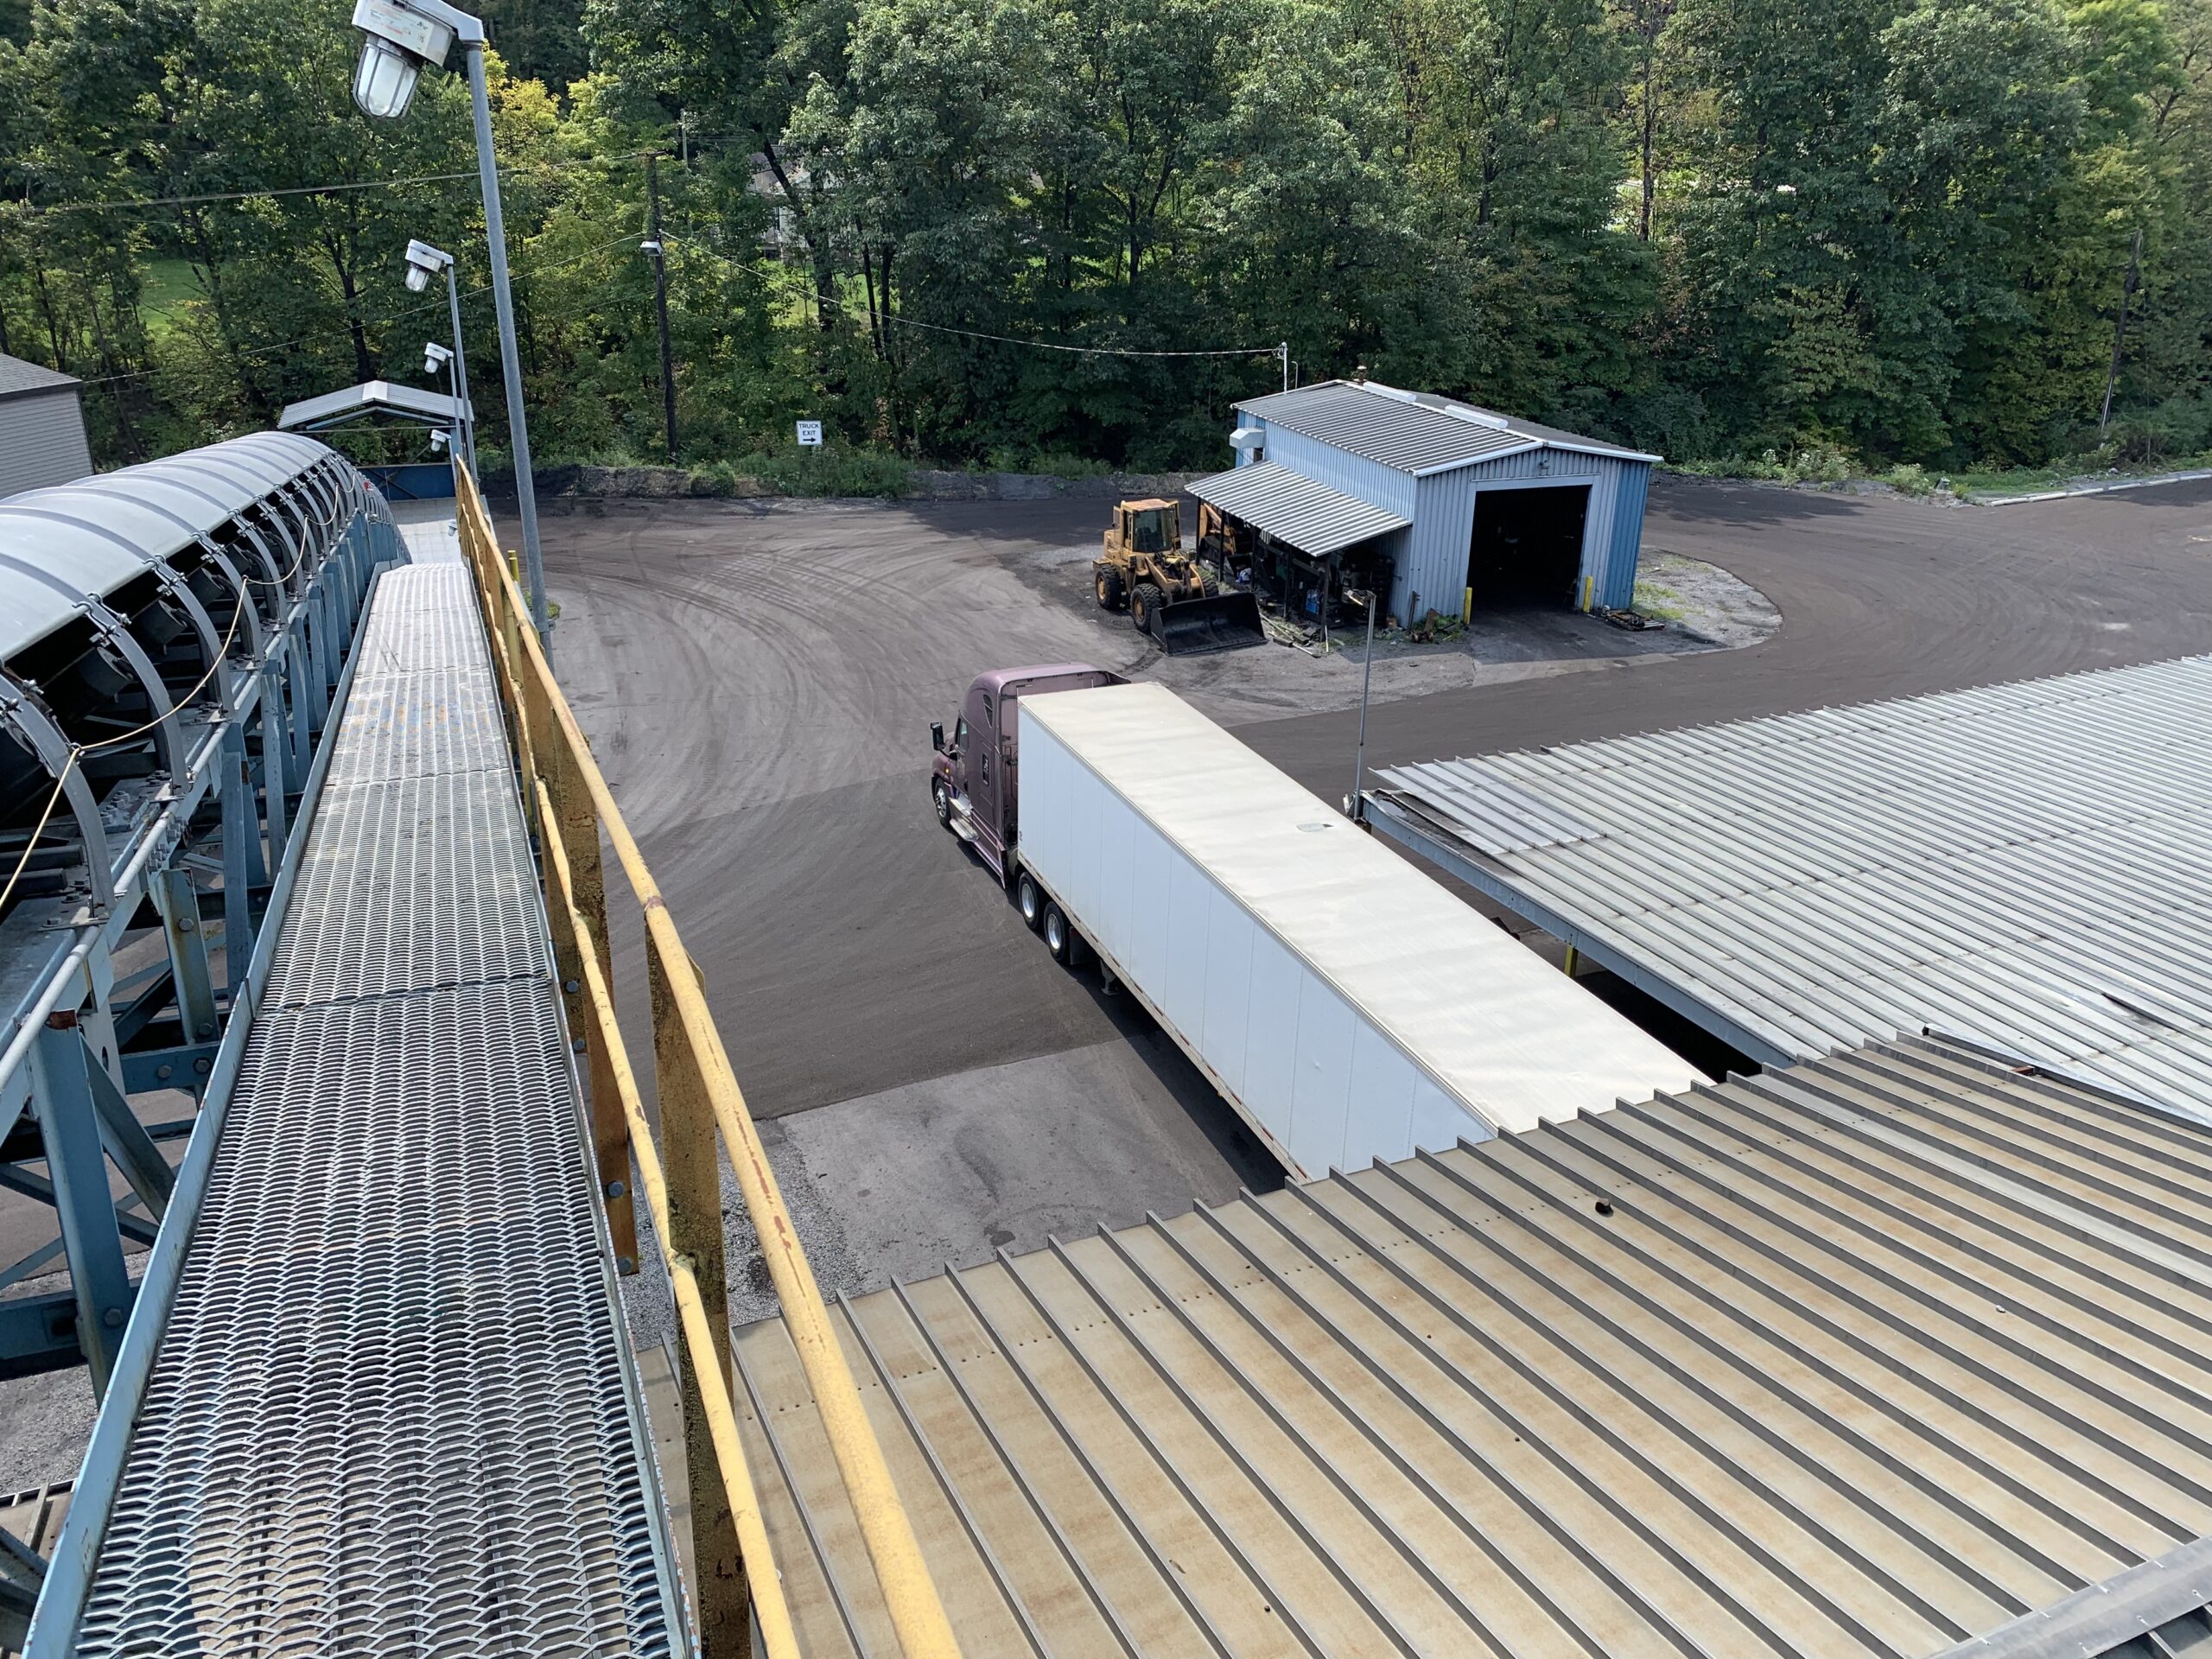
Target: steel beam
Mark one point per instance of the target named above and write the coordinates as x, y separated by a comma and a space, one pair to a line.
1392, 819
69, 1119
178, 901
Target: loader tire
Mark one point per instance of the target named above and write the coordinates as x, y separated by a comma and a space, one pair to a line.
1144, 608
1107, 584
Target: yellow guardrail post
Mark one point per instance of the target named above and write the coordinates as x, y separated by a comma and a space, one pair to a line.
695, 1225
694, 1073
727, 1469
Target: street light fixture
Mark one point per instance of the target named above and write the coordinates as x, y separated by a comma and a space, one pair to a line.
398, 39
424, 261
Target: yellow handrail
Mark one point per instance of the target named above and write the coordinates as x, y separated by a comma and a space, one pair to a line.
546, 733
767, 1588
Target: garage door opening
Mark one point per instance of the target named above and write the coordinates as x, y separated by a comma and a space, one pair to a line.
1528, 546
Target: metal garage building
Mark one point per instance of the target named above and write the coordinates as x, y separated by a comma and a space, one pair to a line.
1477, 508
2028, 865
42, 427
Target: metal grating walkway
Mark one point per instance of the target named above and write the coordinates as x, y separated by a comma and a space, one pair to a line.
390, 1411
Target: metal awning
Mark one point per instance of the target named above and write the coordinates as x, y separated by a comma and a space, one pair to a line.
1293, 509
372, 397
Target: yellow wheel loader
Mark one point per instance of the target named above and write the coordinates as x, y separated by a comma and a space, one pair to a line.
1144, 567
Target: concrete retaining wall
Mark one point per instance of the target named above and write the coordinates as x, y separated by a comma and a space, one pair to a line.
666, 482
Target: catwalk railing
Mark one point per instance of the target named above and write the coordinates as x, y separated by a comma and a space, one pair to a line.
702, 1112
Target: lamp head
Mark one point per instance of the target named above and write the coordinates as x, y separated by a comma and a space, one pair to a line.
423, 262
435, 357
438, 441
396, 41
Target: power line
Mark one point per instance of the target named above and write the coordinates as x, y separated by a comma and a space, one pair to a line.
386, 321
36, 210
1015, 339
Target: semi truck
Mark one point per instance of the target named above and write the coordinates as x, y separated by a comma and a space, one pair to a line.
1348, 1007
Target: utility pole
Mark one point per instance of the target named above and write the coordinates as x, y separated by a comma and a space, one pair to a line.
1283, 351
660, 300
2119, 329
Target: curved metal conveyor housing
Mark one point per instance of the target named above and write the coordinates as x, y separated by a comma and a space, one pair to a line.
377, 1398
169, 636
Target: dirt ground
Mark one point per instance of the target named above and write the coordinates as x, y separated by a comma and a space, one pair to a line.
1707, 609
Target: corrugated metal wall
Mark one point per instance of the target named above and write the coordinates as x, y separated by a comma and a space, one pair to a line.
1432, 556
42, 440
1618, 589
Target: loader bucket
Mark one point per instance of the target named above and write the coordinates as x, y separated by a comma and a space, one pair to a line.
1222, 622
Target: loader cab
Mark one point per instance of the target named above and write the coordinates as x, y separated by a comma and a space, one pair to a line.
1152, 526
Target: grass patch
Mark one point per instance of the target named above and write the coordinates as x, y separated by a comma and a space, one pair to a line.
834, 471
170, 286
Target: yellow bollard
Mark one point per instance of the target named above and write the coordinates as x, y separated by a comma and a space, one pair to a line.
1467, 605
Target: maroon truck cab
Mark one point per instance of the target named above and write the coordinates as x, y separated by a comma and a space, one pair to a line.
973, 774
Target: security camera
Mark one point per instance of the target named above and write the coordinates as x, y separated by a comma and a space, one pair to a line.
438, 442
435, 357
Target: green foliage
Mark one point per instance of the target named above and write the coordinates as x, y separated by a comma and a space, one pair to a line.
836, 471
1883, 238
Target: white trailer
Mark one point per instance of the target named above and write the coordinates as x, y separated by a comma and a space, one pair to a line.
1348, 1006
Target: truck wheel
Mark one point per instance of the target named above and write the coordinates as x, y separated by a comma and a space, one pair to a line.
1107, 584
1029, 901
941, 797
1061, 940
1144, 608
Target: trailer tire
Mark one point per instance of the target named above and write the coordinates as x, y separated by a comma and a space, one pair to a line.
1107, 585
941, 798
1029, 901
1144, 608
1062, 942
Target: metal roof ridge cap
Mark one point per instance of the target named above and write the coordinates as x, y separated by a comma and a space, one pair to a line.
2100, 1617
1524, 446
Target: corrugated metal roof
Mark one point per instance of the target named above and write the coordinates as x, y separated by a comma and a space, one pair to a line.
1880, 1355
1414, 432
334, 407
62, 545
17, 376
2029, 865
1293, 508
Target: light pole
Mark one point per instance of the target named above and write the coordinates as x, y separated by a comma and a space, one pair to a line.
1366, 679
424, 261
397, 38
436, 357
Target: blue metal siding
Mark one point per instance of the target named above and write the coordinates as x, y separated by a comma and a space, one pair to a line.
1618, 590
1436, 559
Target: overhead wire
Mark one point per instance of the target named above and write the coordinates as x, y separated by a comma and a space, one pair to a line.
850, 309
467, 295
91, 204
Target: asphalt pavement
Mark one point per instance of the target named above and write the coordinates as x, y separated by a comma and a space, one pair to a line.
758, 680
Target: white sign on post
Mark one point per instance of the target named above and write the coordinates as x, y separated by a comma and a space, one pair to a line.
809, 434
